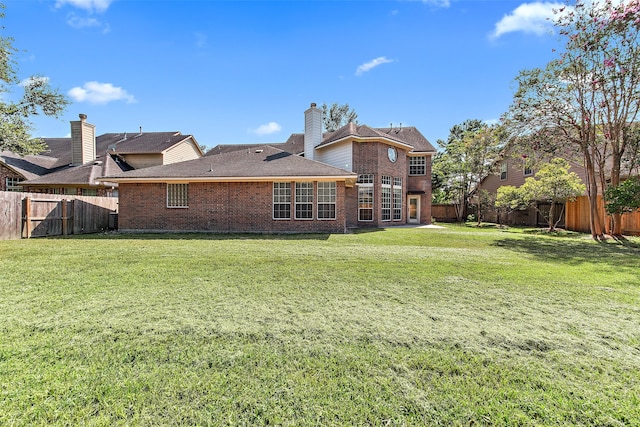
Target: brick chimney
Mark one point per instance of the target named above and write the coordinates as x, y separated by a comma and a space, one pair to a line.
83, 141
312, 130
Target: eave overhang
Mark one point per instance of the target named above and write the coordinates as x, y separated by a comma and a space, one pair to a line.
350, 180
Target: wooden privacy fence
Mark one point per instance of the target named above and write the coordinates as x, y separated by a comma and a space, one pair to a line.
25, 215
444, 212
577, 217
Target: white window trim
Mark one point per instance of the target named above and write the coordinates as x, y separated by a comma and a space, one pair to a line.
422, 165
12, 183
386, 185
504, 170
169, 206
397, 188
370, 187
273, 204
296, 203
334, 203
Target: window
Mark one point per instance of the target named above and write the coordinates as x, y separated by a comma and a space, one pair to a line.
417, 165
304, 200
281, 200
397, 199
71, 191
13, 184
385, 198
503, 171
326, 200
365, 197
177, 195
89, 192
365, 178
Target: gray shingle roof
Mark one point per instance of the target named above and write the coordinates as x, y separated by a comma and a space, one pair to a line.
81, 175
28, 166
295, 144
52, 166
254, 162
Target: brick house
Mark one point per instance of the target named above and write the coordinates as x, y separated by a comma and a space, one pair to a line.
357, 176
71, 165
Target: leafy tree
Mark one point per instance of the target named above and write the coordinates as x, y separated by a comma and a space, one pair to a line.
585, 100
553, 184
509, 199
38, 98
336, 116
623, 198
468, 156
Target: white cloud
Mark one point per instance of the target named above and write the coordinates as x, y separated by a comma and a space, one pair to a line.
79, 22
267, 129
88, 5
439, 3
368, 66
535, 18
100, 93
33, 80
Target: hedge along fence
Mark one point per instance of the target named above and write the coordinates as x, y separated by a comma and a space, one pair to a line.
35, 215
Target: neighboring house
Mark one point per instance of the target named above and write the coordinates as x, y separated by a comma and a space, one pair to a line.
71, 165
356, 176
514, 171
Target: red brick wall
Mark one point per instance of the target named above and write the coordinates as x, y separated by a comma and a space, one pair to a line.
371, 157
422, 184
218, 207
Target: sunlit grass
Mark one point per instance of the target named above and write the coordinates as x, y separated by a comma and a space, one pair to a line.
390, 327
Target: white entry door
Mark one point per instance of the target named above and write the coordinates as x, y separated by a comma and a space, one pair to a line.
414, 209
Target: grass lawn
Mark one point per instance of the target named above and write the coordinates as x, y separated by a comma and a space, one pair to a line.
456, 326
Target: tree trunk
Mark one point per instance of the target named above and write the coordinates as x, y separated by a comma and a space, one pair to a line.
551, 216
595, 222
615, 181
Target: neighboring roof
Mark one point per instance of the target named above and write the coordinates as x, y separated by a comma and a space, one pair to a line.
124, 143
85, 174
53, 165
250, 164
295, 144
230, 148
28, 166
139, 143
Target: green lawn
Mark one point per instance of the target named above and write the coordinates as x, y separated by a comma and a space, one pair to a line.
456, 326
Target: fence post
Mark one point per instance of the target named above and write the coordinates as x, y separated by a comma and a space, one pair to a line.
64, 217
26, 217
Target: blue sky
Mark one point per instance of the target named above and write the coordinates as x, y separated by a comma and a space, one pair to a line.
244, 71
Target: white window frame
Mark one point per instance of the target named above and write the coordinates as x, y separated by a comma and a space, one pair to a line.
366, 197
386, 198
397, 199
417, 165
177, 196
327, 195
281, 198
12, 183
503, 171
304, 197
